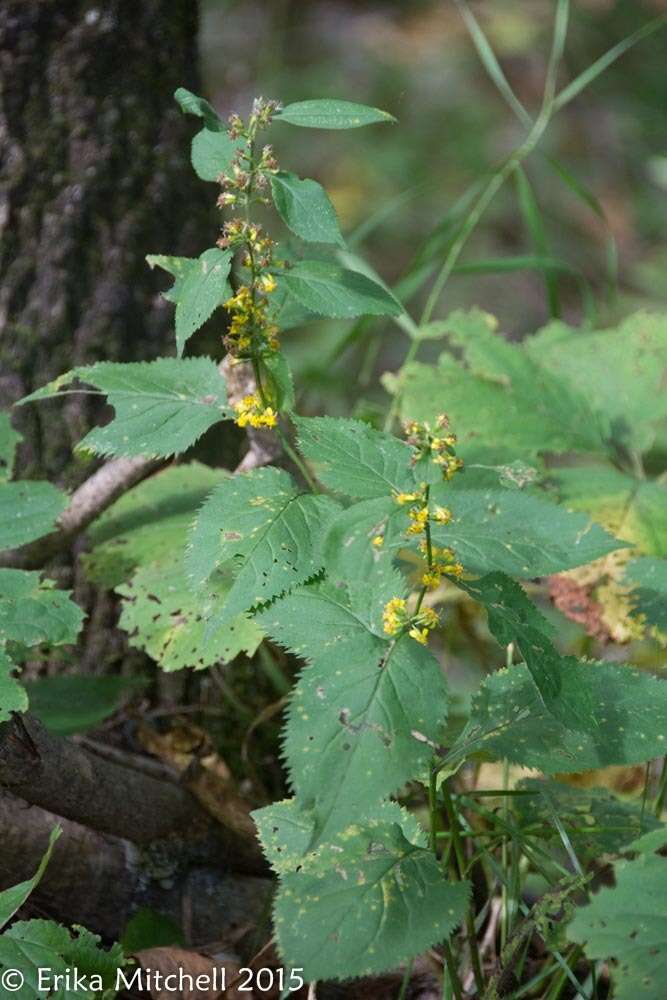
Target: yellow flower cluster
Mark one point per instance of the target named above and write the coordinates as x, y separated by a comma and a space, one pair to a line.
394, 616
395, 619
418, 520
437, 445
249, 318
426, 620
443, 563
250, 412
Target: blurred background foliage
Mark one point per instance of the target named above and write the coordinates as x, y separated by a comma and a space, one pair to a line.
416, 60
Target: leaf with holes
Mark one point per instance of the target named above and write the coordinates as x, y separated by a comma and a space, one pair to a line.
330, 290
352, 458
163, 616
28, 510
13, 697
357, 714
649, 579
267, 530
304, 206
162, 407
32, 611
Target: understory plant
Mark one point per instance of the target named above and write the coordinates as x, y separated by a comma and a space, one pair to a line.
352, 548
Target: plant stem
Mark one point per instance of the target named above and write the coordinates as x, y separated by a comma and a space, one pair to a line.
452, 971
405, 980
662, 791
460, 860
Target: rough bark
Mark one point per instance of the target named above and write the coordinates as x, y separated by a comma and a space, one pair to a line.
100, 881
70, 780
95, 174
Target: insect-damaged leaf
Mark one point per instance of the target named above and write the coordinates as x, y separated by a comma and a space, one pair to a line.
13, 697
266, 529
32, 611
28, 510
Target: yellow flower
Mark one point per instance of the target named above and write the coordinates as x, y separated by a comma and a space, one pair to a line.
378, 541
419, 519
442, 515
404, 498
431, 579
428, 618
420, 635
250, 411
268, 283
393, 616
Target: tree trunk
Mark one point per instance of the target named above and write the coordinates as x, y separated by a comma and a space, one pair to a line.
95, 174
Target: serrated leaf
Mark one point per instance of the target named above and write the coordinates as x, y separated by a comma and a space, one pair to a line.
371, 900
9, 438
508, 719
517, 533
631, 508
75, 703
348, 546
357, 713
28, 510
267, 528
628, 923
305, 207
621, 370
32, 611
33, 945
149, 522
352, 458
596, 821
331, 114
162, 616
212, 153
162, 407
281, 383
649, 578
13, 697
330, 290
12, 899
191, 104
513, 618
203, 288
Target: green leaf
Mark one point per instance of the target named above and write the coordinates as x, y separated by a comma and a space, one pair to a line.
304, 206
150, 929
281, 383
28, 510
348, 546
331, 114
34, 945
203, 288
13, 697
353, 458
620, 370
628, 923
9, 438
177, 267
596, 821
76, 703
508, 719
633, 509
517, 533
357, 714
193, 105
12, 899
31, 611
371, 900
162, 616
162, 407
649, 577
330, 290
212, 153
149, 522
513, 618
267, 528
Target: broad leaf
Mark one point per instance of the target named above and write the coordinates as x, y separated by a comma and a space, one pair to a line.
304, 206
75, 703
162, 407
508, 719
518, 533
12, 899
267, 529
513, 618
162, 616
371, 900
649, 597
32, 611
352, 458
28, 510
13, 697
349, 546
9, 438
204, 287
177, 267
149, 522
628, 923
212, 153
330, 290
331, 114
357, 714
191, 104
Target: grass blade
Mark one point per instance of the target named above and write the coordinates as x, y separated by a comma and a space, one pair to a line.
532, 217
